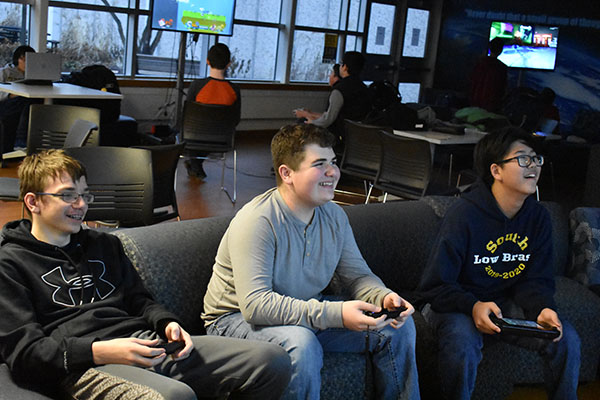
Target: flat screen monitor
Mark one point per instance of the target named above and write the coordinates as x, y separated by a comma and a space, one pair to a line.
195, 16
409, 91
525, 45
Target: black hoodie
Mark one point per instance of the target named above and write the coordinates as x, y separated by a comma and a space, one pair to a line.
481, 255
48, 321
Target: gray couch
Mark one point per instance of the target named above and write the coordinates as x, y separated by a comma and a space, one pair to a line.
175, 260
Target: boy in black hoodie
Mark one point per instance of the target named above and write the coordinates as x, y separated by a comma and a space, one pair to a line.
77, 321
494, 255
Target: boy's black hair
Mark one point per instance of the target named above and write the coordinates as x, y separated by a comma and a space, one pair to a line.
336, 70
354, 61
219, 56
494, 146
19, 52
496, 45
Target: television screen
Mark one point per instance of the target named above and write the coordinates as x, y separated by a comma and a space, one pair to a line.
526, 46
195, 16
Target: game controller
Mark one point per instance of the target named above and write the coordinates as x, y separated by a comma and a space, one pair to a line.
388, 313
171, 347
524, 327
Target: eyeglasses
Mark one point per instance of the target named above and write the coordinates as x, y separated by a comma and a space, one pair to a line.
526, 160
71, 197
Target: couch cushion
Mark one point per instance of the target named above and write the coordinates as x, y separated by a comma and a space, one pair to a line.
585, 245
185, 249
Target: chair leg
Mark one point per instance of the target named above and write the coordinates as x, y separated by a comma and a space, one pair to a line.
369, 193
223, 188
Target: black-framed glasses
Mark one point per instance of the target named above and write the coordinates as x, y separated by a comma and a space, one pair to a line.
71, 197
526, 160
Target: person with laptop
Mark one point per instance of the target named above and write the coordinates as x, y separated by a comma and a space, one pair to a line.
14, 110
493, 259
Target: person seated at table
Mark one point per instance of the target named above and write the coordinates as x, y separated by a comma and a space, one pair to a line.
349, 99
305, 114
14, 110
214, 89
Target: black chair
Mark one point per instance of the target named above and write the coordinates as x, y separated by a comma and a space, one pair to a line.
209, 128
120, 179
164, 167
7, 125
362, 153
50, 123
78, 134
406, 167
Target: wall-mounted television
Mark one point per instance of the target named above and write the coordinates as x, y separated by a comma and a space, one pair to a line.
525, 45
195, 16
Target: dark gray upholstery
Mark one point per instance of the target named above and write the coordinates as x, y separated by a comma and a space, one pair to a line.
175, 260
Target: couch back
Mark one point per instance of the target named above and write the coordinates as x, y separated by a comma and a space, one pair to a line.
175, 259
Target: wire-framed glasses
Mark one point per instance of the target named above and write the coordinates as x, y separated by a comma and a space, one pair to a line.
70, 197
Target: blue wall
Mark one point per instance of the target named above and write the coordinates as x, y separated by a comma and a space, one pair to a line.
576, 79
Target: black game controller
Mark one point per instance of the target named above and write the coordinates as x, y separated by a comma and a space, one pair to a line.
388, 313
171, 347
524, 328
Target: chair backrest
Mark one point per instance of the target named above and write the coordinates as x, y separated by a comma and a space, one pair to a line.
362, 150
79, 133
164, 165
406, 166
50, 123
208, 127
120, 179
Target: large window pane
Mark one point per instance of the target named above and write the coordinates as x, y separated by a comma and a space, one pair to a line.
319, 13
353, 43
158, 52
258, 10
13, 29
253, 52
381, 26
86, 37
307, 57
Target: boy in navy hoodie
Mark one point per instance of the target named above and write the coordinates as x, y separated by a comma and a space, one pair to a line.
493, 255
77, 320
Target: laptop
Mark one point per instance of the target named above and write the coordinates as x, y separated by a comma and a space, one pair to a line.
41, 68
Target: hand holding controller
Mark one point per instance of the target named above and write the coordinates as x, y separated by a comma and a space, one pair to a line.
171, 347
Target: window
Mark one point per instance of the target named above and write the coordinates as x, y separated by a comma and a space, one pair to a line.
14, 24
117, 33
415, 33
381, 27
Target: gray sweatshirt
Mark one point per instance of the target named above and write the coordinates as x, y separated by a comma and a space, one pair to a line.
272, 267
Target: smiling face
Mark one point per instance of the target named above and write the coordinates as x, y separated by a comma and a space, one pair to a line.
513, 179
54, 220
313, 183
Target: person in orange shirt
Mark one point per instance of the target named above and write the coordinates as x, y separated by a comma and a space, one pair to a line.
214, 89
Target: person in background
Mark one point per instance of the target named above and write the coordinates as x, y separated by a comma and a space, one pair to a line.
493, 255
78, 323
14, 110
304, 114
278, 255
349, 99
489, 79
214, 89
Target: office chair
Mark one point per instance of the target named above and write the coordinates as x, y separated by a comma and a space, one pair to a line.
209, 128
49, 124
362, 153
406, 166
164, 167
78, 134
7, 125
120, 179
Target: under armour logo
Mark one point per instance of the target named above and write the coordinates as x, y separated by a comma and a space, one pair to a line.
69, 289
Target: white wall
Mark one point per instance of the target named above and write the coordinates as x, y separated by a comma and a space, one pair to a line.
261, 109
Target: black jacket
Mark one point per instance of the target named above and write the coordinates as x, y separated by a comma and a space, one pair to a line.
56, 301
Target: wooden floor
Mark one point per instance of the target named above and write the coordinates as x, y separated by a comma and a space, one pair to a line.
199, 198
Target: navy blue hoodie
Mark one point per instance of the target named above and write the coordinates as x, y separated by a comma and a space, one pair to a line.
48, 321
481, 255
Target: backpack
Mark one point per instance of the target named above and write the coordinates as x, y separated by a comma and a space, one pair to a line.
101, 78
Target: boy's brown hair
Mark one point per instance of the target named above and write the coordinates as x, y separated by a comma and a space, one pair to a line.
37, 169
288, 145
